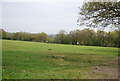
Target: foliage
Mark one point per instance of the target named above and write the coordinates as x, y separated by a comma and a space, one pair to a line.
100, 14
62, 37
41, 37
76, 37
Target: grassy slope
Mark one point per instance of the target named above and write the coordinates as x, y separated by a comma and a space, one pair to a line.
33, 60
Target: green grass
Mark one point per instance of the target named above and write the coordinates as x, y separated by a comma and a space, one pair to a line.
33, 60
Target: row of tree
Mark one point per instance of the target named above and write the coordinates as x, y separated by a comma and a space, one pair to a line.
89, 37
24, 36
75, 37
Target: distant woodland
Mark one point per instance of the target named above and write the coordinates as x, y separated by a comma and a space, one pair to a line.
76, 37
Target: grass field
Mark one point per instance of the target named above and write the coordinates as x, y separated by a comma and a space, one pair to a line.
33, 60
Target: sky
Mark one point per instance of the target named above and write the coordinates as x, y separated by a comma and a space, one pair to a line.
35, 16
47, 16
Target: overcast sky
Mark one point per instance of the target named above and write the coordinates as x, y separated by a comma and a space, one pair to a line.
42, 16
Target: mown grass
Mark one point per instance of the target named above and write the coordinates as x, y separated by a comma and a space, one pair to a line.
33, 60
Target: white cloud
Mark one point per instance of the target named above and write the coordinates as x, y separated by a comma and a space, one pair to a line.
43, 0
40, 17
56, 0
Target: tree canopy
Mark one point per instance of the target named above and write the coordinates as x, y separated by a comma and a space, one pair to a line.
76, 37
99, 14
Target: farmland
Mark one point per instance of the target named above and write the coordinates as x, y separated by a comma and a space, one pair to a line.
34, 60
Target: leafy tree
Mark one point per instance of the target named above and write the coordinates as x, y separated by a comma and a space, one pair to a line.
16, 36
9, 36
118, 39
62, 37
101, 37
100, 14
41, 37
51, 40
22, 36
3, 34
84, 36
74, 36
115, 38
0, 33
90, 36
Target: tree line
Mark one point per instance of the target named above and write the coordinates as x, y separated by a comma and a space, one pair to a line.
76, 37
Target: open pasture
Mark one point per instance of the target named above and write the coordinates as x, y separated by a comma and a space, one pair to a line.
34, 60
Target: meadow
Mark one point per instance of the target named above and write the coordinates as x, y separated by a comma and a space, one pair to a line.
35, 60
